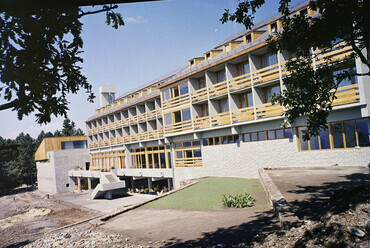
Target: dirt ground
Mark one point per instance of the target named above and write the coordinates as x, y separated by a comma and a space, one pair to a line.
26, 216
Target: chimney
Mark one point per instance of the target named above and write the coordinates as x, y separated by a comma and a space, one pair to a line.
107, 95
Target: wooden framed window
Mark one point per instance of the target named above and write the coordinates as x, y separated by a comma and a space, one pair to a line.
220, 76
223, 105
203, 110
201, 83
245, 100
188, 154
242, 68
268, 59
151, 157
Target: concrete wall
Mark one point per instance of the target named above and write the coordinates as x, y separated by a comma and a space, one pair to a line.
243, 160
52, 176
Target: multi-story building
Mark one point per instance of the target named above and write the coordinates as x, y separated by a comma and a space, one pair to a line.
214, 117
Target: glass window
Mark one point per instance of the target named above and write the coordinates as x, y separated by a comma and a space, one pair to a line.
324, 139
211, 141
254, 137
187, 144
236, 138
67, 145
288, 133
196, 143
349, 132
246, 68
271, 134
346, 81
247, 137
268, 59
221, 76
223, 106
261, 135
205, 142
230, 139
249, 99
271, 90
197, 153
362, 127
179, 154
184, 88
186, 114
336, 130
227, 48
178, 145
189, 153
314, 143
303, 144
166, 94
279, 133
224, 140
217, 140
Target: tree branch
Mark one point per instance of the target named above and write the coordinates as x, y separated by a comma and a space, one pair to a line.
8, 105
104, 9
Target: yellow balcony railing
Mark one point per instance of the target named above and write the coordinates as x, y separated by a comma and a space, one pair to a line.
199, 95
176, 101
268, 110
141, 117
132, 119
135, 137
120, 140
337, 53
143, 136
151, 114
202, 122
240, 82
266, 74
188, 162
347, 94
127, 138
243, 114
178, 127
112, 141
220, 119
218, 89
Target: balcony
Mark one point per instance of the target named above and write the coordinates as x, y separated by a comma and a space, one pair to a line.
244, 114
120, 140
218, 89
132, 119
268, 110
240, 82
266, 74
202, 122
176, 101
347, 94
199, 95
143, 136
188, 162
178, 127
141, 117
220, 119
337, 53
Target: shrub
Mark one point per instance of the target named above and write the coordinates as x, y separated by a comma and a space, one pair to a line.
238, 200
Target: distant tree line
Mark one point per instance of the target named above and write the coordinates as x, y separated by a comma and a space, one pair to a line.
17, 164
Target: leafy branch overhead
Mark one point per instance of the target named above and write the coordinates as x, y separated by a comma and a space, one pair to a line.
40, 60
312, 78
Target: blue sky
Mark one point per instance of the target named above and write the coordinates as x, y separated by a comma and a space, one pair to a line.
158, 37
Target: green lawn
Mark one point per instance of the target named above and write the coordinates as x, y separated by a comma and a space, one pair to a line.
207, 194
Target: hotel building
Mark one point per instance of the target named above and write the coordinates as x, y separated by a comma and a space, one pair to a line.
214, 117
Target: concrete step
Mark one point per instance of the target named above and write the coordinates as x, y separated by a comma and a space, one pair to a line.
111, 178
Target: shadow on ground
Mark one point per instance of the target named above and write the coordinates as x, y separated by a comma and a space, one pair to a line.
263, 224
316, 204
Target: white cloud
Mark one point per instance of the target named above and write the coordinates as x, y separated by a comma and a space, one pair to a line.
137, 19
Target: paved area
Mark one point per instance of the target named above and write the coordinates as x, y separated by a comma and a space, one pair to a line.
103, 205
190, 227
308, 190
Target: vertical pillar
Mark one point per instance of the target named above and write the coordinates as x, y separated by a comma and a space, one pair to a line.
169, 184
150, 184
79, 184
72, 184
132, 183
89, 184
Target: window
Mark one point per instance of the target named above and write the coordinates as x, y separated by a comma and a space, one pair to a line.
223, 106
267, 135
268, 60
203, 110
168, 119
201, 83
273, 27
229, 139
227, 48
186, 114
303, 12
345, 81
269, 91
188, 154
220, 76
184, 88
78, 144
343, 134
245, 100
248, 38
166, 94
151, 157
242, 68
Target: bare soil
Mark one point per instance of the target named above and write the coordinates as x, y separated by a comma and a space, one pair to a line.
26, 216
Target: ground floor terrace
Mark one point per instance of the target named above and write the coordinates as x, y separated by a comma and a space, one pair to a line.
234, 151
